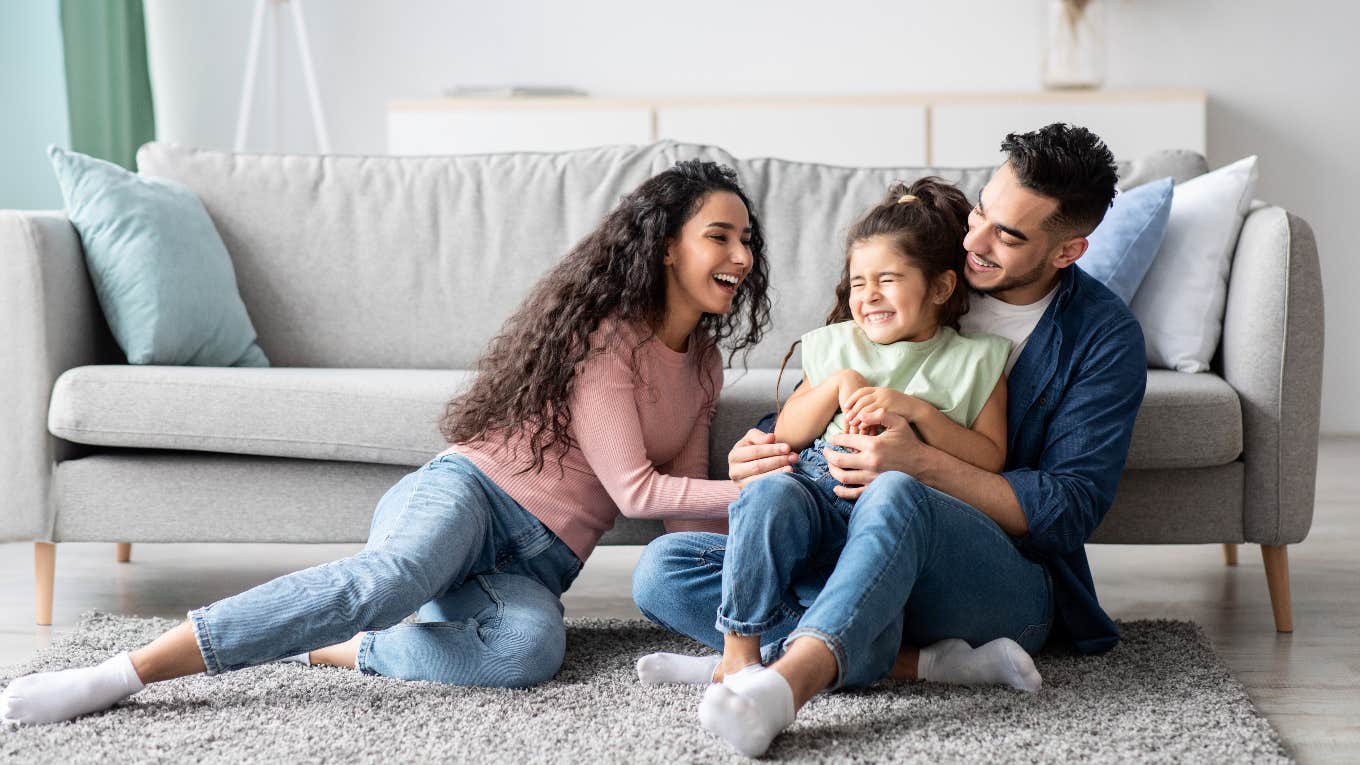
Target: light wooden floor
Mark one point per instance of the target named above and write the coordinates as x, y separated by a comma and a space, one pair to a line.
1307, 683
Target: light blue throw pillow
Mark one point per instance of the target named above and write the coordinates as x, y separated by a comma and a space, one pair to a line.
1125, 243
161, 273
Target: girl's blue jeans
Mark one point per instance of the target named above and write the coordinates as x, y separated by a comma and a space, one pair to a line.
483, 575
908, 565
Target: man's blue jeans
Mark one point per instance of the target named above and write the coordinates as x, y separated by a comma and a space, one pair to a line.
482, 574
909, 566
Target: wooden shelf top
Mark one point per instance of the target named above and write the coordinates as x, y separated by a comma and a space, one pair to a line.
1038, 97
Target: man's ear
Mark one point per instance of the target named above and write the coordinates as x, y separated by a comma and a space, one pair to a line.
1070, 251
944, 286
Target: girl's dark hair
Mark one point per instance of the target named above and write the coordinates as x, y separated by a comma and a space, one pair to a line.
927, 230
525, 376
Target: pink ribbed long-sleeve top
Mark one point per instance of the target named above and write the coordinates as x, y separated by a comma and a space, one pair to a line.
641, 426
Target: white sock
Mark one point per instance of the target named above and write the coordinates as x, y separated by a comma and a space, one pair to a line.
658, 668
304, 658
1001, 661
748, 709
49, 697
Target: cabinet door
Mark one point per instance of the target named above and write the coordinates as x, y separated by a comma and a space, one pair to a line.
486, 130
970, 134
864, 135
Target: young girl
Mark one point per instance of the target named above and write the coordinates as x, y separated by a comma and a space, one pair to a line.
595, 399
891, 342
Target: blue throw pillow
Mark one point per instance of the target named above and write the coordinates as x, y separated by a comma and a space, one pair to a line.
160, 270
1125, 243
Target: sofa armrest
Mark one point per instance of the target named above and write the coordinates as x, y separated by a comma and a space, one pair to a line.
1272, 356
50, 321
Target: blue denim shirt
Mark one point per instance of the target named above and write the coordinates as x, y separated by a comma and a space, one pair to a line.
1072, 398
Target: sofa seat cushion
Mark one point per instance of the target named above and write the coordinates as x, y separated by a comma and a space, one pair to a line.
390, 416
1186, 421
382, 416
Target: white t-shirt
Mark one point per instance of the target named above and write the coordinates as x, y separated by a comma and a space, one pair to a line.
1013, 322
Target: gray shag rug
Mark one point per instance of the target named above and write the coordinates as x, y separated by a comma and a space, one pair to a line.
1161, 696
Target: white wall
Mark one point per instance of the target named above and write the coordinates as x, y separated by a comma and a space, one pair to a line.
1280, 79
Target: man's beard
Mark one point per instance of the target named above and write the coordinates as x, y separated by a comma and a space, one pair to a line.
1015, 282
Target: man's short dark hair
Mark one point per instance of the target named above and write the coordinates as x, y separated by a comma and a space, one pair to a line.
1070, 164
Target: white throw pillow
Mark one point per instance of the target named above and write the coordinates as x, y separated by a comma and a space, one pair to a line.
1181, 300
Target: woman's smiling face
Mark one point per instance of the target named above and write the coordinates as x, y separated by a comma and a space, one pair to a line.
709, 258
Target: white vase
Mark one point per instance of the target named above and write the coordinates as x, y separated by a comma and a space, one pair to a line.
1075, 46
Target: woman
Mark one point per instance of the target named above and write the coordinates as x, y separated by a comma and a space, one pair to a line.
595, 399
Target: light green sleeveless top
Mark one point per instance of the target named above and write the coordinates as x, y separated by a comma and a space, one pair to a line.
955, 373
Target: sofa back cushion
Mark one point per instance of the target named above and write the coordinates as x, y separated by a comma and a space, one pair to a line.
807, 209
414, 262
395, 262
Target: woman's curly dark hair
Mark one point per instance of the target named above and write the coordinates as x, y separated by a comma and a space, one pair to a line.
524, 378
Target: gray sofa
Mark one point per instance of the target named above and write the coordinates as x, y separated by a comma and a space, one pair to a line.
374, 282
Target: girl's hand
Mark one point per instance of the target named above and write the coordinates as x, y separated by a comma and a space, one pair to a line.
897, 402
849, 381
860, 428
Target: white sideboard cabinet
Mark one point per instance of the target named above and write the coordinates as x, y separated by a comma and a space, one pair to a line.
893, 129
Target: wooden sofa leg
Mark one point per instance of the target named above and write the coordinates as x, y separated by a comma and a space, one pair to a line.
44, 572
1230, 554
125, 552
1276, 558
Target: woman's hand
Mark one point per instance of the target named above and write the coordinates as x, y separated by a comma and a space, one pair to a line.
757, 455
887, 399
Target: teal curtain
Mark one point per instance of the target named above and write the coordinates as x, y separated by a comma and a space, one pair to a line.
108, 89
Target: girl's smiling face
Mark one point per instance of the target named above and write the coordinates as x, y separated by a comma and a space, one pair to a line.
890, 298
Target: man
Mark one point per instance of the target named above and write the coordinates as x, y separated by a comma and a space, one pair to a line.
968, 554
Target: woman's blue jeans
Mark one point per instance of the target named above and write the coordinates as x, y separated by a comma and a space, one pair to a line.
908, 566
483, 575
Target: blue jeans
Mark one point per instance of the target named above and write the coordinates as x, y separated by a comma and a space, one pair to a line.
910, 566
483, 575
812, 464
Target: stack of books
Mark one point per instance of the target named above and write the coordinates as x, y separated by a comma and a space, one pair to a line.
511, 91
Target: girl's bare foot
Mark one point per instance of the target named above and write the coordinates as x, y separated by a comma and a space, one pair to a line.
739, 652
344, 654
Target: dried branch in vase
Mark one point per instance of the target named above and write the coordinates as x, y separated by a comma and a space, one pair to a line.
1073, 11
